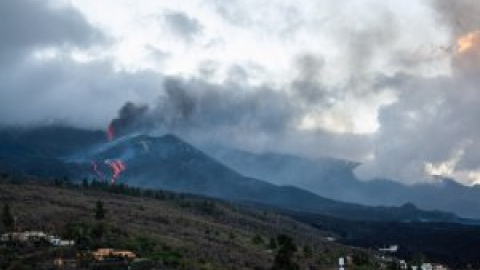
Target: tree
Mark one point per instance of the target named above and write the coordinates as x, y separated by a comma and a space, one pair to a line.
307, 251
283, 258
99, 211
85, 183
7, 218
257, 240
273, 243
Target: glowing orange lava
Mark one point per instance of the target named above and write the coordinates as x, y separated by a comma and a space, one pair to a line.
117, 167
468, 41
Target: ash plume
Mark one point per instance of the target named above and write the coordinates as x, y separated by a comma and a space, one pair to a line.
129, 117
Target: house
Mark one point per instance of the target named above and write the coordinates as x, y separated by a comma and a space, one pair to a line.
330, 239
102, 253
437, 266
426, 266
58, 242
35, 236
391, 249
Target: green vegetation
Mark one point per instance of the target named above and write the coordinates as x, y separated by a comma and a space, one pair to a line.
166, 230
7, 218
307, 251
99, 211
257, 240
285, 252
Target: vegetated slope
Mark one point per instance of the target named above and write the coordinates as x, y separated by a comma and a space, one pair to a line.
453, 244
181, 231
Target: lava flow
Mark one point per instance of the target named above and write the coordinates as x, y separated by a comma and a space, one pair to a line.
97, 171
117, 167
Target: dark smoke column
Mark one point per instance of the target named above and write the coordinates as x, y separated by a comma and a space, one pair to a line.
129, 117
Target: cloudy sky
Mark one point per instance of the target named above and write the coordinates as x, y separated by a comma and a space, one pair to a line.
393, 84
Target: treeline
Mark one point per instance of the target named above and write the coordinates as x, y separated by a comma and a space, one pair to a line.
199, 203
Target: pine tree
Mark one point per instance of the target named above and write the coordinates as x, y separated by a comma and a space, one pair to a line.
99, 211
307, 251
284, 256
7, 218
273, 243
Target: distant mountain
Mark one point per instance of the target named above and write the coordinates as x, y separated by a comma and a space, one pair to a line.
170, 163
41, 151
335, 179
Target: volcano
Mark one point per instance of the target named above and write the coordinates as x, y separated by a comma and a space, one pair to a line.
170, 163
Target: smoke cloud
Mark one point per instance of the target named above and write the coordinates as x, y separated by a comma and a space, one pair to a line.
352, 86
431, 129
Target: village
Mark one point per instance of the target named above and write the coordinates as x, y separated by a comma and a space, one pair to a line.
62, 253
38, 243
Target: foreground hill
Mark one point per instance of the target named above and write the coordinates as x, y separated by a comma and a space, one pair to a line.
173, 230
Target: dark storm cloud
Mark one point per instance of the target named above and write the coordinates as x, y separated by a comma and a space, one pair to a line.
86, 95
29, 24
37, 91
183, 25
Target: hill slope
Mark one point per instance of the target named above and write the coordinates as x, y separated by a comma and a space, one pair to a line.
179, 231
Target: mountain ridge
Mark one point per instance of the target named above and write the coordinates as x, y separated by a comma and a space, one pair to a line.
169, 162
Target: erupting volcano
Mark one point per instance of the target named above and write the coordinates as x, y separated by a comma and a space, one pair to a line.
116, 165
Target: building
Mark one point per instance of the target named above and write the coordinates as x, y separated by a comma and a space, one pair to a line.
426, 266
30, 236
436, 266
390, 249
102, 253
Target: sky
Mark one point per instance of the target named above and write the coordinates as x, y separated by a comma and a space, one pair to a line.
392, 84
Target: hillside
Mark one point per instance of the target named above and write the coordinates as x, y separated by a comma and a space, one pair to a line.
452, 244
174, 230
335, 179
